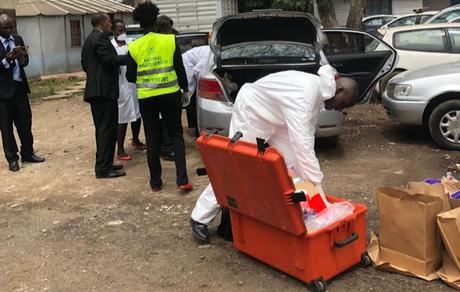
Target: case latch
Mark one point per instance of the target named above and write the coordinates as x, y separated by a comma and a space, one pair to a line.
261, 145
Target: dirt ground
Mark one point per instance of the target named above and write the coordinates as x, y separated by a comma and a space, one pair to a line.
63, 230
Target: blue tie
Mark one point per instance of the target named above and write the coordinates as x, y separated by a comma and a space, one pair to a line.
16, 72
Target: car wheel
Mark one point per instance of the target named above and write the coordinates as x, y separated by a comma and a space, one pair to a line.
444, 124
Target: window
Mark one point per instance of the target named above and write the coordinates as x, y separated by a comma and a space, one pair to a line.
446, 17
403, 21
349, 43
75, 33
454, 36
427, 40
374, 7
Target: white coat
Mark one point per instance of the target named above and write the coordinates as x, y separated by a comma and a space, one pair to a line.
195, 62
283, 109
128, 105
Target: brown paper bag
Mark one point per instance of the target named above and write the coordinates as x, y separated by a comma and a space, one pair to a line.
436, 190
307, 186
408, 234
451, 186
449, 272
449, 226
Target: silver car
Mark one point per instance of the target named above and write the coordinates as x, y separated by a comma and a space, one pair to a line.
428, 97
251, 45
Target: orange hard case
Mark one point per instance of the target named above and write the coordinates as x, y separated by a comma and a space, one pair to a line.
267, 224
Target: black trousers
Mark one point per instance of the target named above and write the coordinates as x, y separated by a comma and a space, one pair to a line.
105, 118
16, 111
170, 107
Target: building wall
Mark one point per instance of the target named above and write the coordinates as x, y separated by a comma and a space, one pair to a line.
342, 8
53, 41
436, 4
29, 29
73, 53
405, 6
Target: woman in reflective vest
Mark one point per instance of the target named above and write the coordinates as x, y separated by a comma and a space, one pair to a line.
155, 65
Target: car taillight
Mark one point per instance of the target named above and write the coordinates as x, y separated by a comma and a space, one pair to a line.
210, 89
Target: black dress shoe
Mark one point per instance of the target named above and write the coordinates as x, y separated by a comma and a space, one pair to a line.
13, 165
200, 231
33, 159
117, 167
111, 174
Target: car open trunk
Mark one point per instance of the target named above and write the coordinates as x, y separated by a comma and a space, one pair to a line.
297, 37
242, 75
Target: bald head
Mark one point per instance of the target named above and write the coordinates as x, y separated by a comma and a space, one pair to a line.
346, 94
6, 26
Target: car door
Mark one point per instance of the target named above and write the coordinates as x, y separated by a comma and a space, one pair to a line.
454, 41
360, 56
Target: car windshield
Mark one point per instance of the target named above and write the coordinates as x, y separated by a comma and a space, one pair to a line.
276, 52
447, 16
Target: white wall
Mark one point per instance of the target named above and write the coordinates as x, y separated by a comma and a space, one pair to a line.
53, 40
29, 29
401, 7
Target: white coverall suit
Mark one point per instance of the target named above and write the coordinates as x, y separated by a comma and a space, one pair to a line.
283, 109
195, 62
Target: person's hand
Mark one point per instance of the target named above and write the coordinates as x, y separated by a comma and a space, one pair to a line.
185, 98
320, 190
13, 55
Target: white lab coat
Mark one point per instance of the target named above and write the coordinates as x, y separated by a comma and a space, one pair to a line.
128, 105
283, 109
195, 62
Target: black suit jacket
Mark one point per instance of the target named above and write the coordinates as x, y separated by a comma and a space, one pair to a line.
101, 63
6, 75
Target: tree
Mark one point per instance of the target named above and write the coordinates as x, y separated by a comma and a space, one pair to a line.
356, 13
326, 12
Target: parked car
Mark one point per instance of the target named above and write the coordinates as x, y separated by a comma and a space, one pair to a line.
445, 15
370, 24
406, 20
422, 46
428, 97
251, 45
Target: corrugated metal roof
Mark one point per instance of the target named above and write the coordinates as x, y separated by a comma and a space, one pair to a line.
65, 7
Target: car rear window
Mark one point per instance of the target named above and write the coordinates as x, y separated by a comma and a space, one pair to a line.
273, 52
427, 40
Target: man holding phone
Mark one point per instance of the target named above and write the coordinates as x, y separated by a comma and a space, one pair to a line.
14, 100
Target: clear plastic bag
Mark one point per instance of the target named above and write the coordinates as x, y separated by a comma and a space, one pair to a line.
332, 214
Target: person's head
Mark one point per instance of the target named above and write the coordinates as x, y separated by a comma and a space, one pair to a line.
6, 26
346, 94
102, 22
146, 14
164, 24
119, 30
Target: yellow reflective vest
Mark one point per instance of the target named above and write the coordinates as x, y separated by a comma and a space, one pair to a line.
154, 55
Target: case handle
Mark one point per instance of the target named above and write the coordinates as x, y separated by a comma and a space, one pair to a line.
236, 137
342, 243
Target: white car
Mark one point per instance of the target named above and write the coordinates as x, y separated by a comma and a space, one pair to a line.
445, 15
406, 20
251, 45
422, 46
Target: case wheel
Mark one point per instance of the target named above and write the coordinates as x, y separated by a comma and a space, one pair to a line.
318, 285
366, 260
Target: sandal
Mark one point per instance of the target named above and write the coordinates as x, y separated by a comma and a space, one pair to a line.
124, 157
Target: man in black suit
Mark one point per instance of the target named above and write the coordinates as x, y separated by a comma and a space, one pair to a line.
101, 64
14, 100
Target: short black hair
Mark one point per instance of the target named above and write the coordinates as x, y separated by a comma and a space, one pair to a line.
164, 24
117, 21
146, 14
98, 18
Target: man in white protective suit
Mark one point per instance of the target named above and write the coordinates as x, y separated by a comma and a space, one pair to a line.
282, 108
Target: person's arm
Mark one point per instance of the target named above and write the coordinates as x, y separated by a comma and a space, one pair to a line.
23, 57
131, 69
105, 51
301, 117
180, 70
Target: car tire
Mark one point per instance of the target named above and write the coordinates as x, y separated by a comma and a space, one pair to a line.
440, 124
384, 81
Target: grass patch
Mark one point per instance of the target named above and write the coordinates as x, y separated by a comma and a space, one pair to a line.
43, 88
